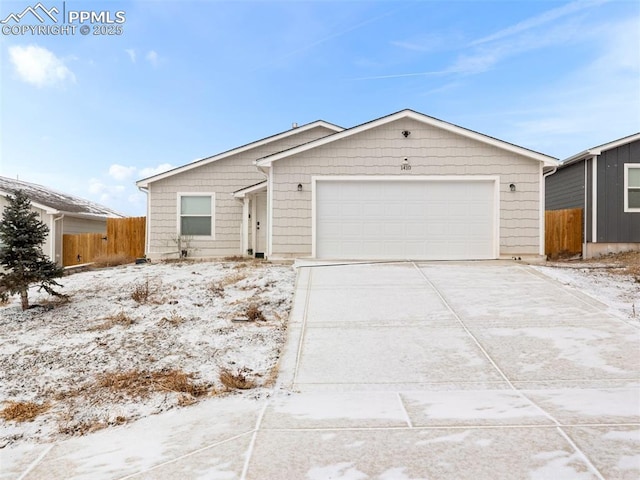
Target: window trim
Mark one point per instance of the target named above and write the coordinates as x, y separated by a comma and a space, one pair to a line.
212, 236
627, 167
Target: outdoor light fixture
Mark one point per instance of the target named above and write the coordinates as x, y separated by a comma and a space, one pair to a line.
405, 164
299, 187
406, 133
512, 187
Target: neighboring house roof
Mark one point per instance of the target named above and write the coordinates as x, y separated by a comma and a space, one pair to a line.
204, 161
594, 151
420, 117
54, 202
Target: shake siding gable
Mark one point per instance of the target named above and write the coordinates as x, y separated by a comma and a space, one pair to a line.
222, 177
430, 151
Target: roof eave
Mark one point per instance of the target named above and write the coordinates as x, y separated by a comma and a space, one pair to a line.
144, 182
547, 160
595, 151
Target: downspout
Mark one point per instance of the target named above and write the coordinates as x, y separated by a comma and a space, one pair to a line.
585, 210
543, 234
54, 240
266, 171
147, 223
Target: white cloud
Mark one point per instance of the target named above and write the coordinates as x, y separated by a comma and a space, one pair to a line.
538, 20
592, 105
39, 66
120, 172
132, 54
151, 171
153, 58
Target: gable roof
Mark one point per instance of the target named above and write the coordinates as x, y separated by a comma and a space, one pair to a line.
204, 161
54, 202
594, 151
420, 117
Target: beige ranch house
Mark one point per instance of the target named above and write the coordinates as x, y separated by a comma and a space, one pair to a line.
404, 186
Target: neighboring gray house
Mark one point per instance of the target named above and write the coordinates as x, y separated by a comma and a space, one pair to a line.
605, 182
62, 213
404, 186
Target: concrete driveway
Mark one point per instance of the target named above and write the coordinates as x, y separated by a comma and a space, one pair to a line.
476, 371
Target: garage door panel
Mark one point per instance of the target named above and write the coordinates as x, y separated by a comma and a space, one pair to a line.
394, 219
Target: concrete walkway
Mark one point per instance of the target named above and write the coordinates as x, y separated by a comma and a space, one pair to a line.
402, 371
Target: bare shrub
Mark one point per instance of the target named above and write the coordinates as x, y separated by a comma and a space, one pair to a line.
216, 289
253, 313
142, 292
113, 260
236, 380
22, 411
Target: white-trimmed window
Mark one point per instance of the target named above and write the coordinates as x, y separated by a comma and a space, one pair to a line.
632, 187
196, 214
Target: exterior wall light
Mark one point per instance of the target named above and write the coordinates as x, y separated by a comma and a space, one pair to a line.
406, 133
299, 187
405, 164
512, 187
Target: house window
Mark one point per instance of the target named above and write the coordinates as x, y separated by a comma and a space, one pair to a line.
196, 214
632, 187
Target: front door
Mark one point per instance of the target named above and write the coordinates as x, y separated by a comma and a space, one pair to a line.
261, 224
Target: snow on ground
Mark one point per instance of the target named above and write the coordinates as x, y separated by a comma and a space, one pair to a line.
619, 290
104, 358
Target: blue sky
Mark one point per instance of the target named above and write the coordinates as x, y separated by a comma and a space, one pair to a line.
90, 115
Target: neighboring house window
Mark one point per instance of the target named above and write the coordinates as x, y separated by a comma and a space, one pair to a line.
196, 214
632, 187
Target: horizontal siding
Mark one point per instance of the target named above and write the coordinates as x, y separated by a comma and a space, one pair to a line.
222, 177
430, 151
565, 188
72, 225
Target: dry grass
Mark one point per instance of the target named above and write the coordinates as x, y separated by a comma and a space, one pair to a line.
136, 383
173, 319
627, 263
113, 260
236, 380
22, 411
142, 292
120, 318
54, 302
235, 258
254, 314
216, 289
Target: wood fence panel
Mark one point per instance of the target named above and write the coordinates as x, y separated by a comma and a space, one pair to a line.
563, 232
82, 248
126, 236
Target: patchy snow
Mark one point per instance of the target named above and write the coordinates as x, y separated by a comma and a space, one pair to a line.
193, 321
620, 292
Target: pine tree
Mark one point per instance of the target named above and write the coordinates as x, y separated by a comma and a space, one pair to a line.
22, 261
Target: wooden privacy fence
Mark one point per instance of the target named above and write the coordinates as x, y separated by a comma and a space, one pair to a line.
125, 236
563, 232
